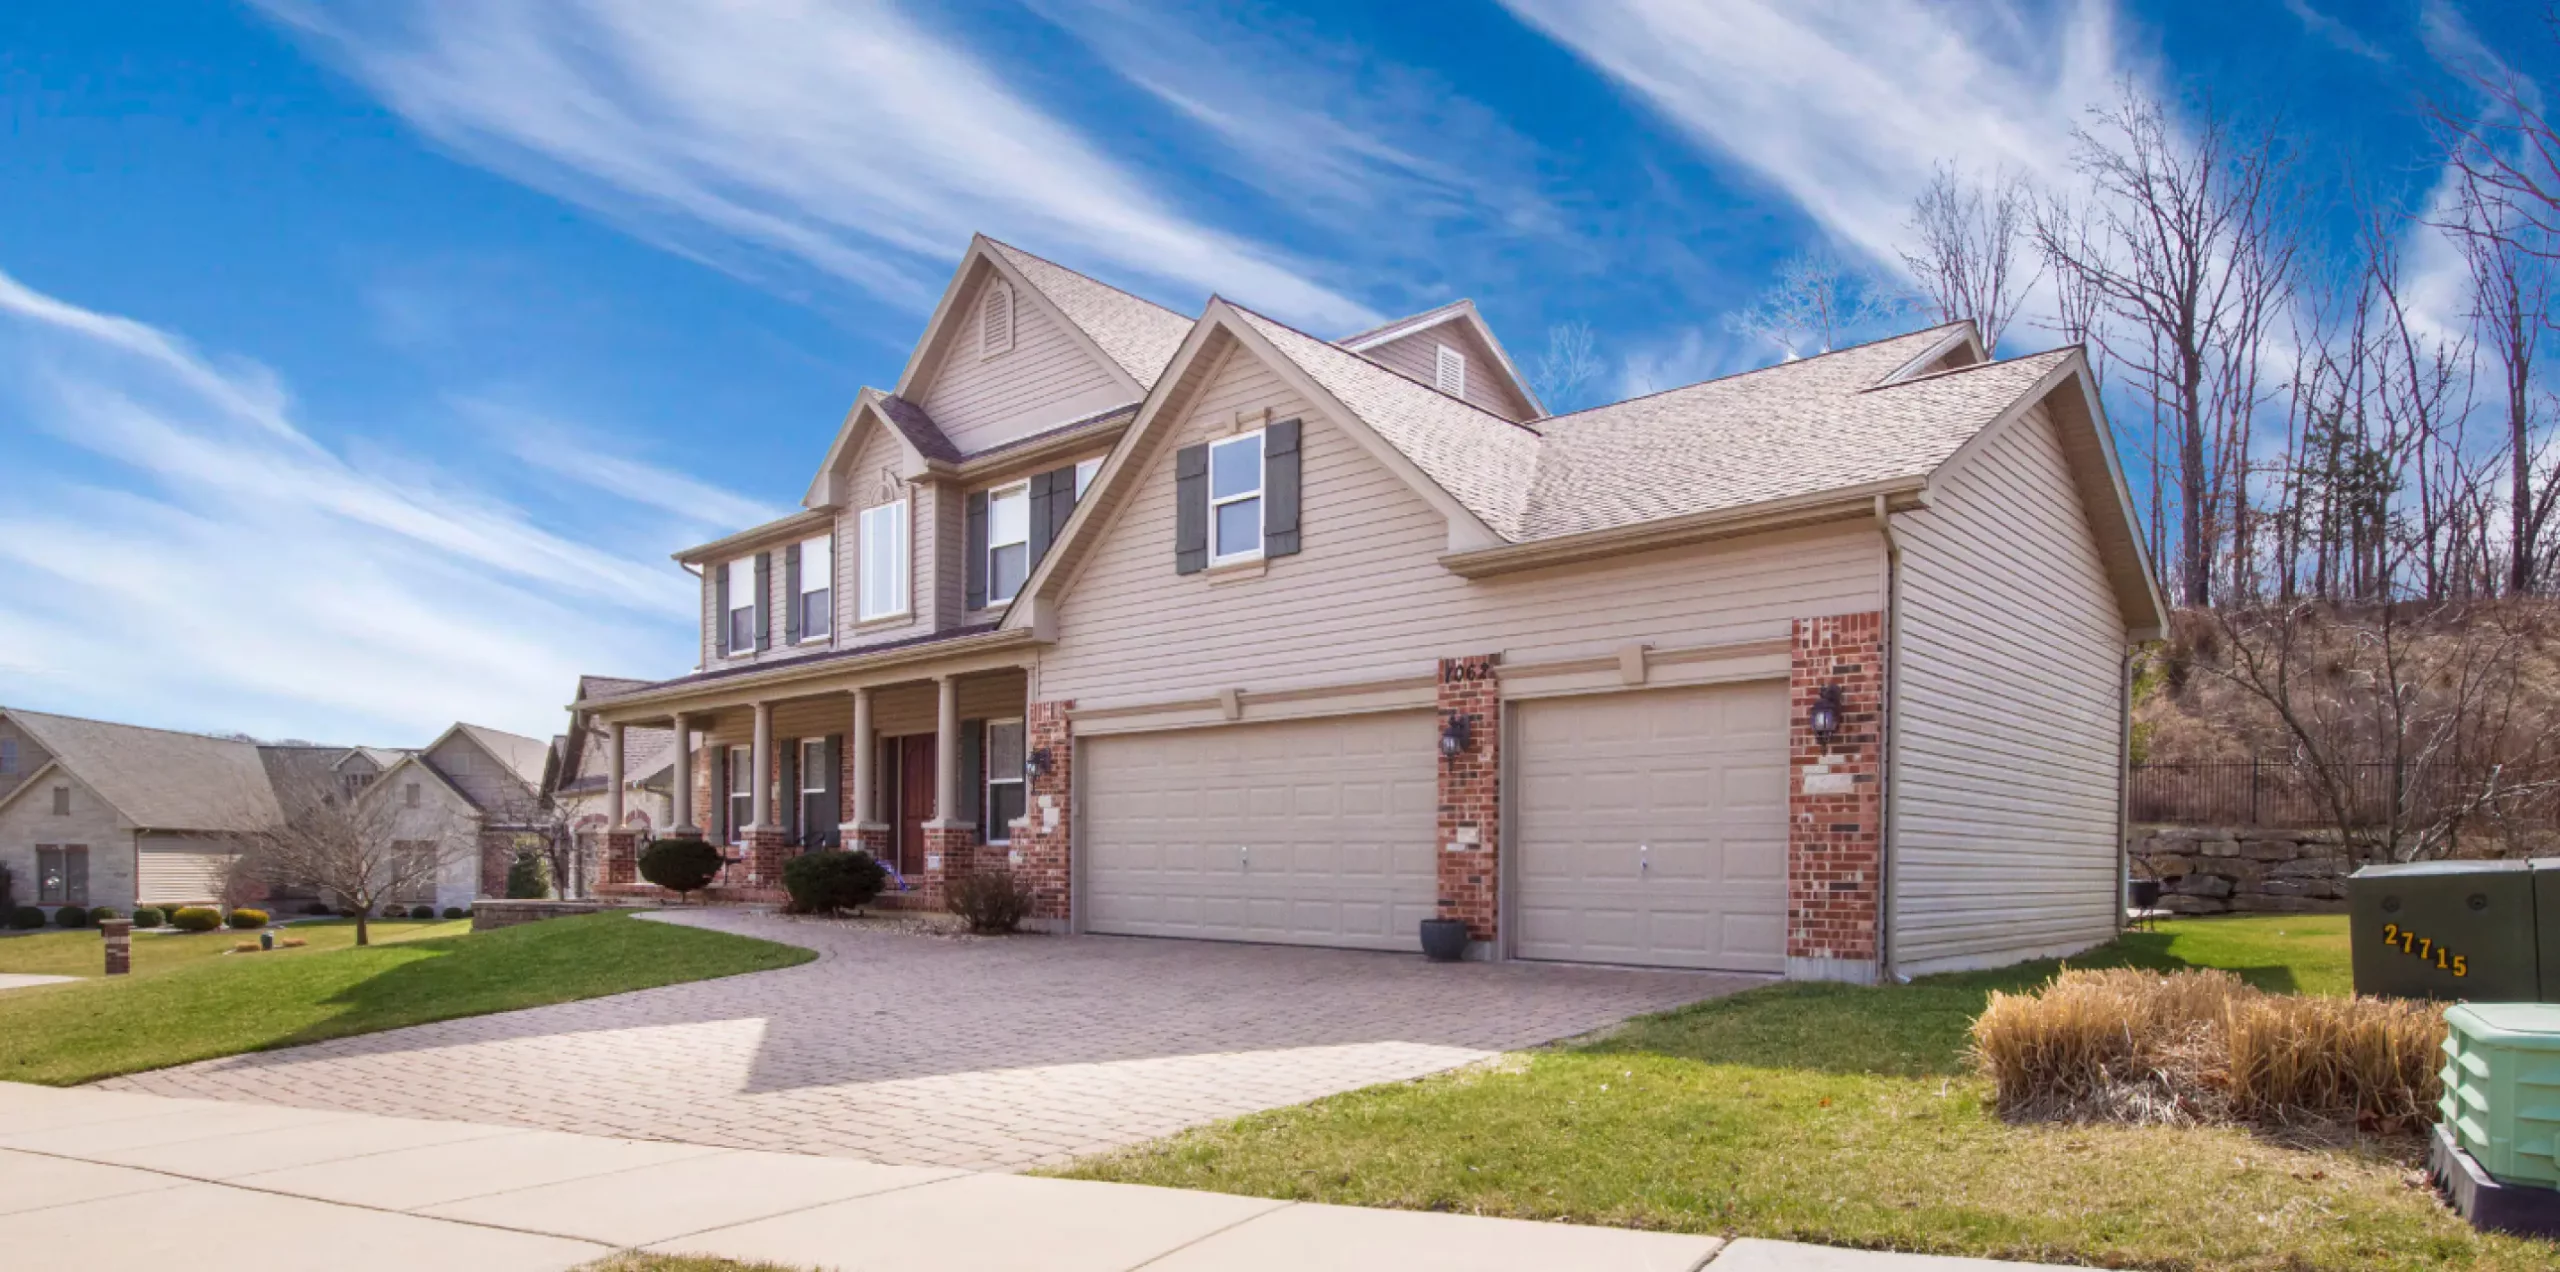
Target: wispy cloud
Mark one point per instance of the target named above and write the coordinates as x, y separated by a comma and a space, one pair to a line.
594, 460
847, 136
185, 552
2334, 31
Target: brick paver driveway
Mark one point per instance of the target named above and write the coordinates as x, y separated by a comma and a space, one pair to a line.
919, 1050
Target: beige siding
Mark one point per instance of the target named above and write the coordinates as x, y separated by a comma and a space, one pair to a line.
182, 868
1417, 356
477, 774
445, 820
871, 481
30, 820
1368, 598
31, 756
1048, 378
2005, 794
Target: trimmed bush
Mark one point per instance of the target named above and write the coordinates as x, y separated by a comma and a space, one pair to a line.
422, 912
991, 900
8, 892
196, 918
102, 914
680, 865
149, 917
318, 909
245, 920
71, 916
456, 912
832, 882
26, 918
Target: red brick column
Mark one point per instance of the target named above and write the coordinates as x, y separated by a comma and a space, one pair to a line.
119, 939
1835, 800
950, 852
766, 847
1470, 828
1044, 843
621, 856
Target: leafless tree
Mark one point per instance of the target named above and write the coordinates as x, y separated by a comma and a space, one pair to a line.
364, 850
2508, 150
2511, 292
1967, 233
1570, 363
1817, 299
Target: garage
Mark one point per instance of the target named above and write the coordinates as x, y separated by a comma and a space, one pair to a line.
1651, 828
1303, 832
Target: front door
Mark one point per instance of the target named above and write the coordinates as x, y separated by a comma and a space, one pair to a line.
915, 800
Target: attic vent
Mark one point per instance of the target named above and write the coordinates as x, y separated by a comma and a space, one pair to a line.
1450, 372
995, 321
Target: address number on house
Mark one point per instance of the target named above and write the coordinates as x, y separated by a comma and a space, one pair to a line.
2424, 950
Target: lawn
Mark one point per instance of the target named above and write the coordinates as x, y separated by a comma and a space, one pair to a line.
1848, 1116
66, 1034
81, 952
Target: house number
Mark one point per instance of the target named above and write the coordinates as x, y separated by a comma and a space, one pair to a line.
1465, 673
2424, 950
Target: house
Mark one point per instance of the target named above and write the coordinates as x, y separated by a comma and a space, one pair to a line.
579, 777
1208, 627
475, 785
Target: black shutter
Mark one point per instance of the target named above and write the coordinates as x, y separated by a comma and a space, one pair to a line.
1041, 494
973, 782
764, 600
831, 803
719, 793
1280, 489
1191, 509
720, 607
791, 595
789, 780
975, 544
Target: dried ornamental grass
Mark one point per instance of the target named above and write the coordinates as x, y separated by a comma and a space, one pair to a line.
2372, 1062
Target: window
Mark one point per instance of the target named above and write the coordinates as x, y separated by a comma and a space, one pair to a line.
409, 795
1008, 541
1084, 475
742, 606
995, 321
742, 791
884, 560
62, 801
817, 599
1004, 779
1449, 371
62, 875
354, 783
815, 817
9, 746
1235, 498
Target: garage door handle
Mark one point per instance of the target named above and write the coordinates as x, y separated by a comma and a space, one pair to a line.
1644, 859
1244, 855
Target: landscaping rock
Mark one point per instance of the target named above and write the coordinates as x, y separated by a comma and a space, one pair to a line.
2201, 885
2270, 850
2176, 903
2217, 870
2218, 847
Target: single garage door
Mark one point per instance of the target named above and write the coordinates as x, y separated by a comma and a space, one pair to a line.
1652, 828
1308, 832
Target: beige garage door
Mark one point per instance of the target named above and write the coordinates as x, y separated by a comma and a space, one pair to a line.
1652, 828
1313, 832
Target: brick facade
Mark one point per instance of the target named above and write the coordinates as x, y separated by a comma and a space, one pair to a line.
950, 852
1835, 800
1044, 843
1470, 823
766, 848
621, 857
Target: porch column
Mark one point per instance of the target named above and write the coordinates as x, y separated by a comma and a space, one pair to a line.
762, 761
866, 761
613, 775
683, 790
946, 756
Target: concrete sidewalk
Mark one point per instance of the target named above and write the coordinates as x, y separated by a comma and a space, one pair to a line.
106, 1180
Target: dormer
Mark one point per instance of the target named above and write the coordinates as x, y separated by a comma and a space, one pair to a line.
1452, 349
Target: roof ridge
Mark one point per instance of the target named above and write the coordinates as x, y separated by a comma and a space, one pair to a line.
1393, 323
1379, 366
1738, 375
144, 728
992, 239
1984, 365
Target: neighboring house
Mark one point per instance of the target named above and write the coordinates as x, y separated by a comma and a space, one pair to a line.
1212, 628
473, 785
583, 762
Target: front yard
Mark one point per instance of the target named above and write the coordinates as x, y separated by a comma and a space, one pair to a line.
82, 952
1848, 1116
205, 1006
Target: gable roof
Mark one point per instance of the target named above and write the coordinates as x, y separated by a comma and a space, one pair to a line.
1137, 334
160, 779
1463, 312
520, 755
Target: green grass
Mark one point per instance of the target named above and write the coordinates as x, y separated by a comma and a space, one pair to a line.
82, 952
1848, 1116
71, 1033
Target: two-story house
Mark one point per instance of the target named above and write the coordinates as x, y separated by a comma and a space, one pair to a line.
1213, 628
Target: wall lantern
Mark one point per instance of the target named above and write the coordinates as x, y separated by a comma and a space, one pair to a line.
1457, 733
1824, 716
1040, 761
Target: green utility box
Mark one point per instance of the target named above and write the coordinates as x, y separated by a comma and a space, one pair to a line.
2448, 930
2546, 908
2502, 1089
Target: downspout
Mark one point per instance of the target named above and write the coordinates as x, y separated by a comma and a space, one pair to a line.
2124, 789
1885, 838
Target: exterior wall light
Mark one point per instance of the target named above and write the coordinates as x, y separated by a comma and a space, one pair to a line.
1457, 733
1040, 761
1823, 718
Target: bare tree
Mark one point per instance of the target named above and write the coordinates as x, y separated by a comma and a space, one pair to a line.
365, 850
1968, 233
1570, 363
1817, 300
2511, 312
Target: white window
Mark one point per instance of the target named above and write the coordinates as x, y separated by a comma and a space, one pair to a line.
1084, 475
995, 321
817, 599
1235, 498
1008, 541
742, 791
742, 606
1004, 779
1449, 371
884, 560
815, 817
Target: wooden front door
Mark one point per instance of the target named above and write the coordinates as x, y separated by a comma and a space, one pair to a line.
915, 800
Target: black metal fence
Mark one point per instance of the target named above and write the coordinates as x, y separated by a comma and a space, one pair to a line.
2256, 793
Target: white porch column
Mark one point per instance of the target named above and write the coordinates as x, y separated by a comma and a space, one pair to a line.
946, 755
866, 760
613, 774
763, 762
683, 789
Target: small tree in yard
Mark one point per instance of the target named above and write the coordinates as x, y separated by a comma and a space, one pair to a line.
528, 875
680, 865
359, 850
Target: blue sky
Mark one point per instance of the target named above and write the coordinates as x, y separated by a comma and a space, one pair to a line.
360, 364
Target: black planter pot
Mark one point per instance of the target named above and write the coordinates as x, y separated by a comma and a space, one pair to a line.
2143, 893
1444, 940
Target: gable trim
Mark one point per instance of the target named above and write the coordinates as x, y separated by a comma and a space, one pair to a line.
1963, 336
824, 490
945, 312
418, 760
56, 766
1458, 311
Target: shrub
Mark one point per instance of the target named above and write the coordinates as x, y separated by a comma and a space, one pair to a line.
991, 900
71, 916
291, 943
422, 912
26, 917
244, 919
2202, 1046
680, 865
832, 882
148, 917
318, 909
196, 918
102, 914
456, 912
8, 892
246, 947
528, 877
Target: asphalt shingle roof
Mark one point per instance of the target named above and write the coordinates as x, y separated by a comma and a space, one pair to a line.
159, 779
1138, 334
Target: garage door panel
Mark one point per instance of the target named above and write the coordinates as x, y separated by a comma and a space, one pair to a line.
1304, 832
